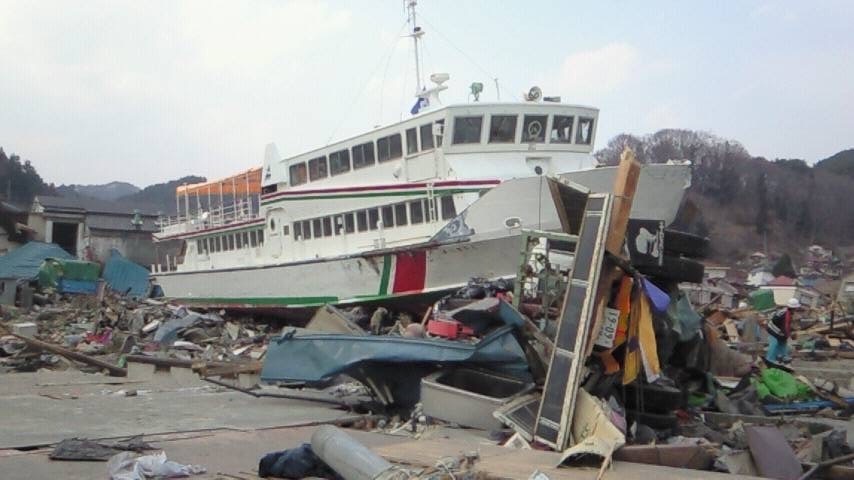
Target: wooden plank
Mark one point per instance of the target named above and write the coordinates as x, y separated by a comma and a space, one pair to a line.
625, 186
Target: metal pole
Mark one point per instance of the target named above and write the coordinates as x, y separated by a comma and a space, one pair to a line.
416, 34
346, 456
234, 196
221, 208
248, 198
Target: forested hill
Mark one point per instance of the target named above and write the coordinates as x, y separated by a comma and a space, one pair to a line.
19, 180
741, 201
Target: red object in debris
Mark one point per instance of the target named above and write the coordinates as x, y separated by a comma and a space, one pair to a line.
450, 329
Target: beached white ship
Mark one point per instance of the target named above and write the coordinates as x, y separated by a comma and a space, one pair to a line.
362, 219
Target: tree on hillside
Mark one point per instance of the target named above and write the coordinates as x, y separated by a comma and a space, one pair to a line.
784, 267
19, 181
762, 209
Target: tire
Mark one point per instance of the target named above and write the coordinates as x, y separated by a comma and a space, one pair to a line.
676, 268
685, 244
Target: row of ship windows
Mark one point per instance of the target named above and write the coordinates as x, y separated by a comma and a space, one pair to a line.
467, 130
503, 129
363, 155
231, 241
413, 212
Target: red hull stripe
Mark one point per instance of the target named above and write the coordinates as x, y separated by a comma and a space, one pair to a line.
410, 271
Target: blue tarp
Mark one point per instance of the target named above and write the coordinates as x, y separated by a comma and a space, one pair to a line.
124, 276
322, 356
25, 261
87, 287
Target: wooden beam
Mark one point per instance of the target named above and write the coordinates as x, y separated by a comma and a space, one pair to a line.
114, 370
625, 186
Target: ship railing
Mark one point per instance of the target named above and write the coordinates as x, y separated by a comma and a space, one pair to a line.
217, 217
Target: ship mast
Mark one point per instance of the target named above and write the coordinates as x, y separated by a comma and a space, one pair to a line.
416, 38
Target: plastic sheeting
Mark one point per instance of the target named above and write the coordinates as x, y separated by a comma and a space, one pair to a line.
322, 356
25, 261
126, 277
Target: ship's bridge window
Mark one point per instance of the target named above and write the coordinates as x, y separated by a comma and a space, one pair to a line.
327, 226
411, 141
297, 230
534, 129
349, 224
238, 241
562, 129
298, 174
318, 168
440, 132
584, 132
502, 129
389, 148
339, 162
363, 155
426, 136
467, 129
316, 228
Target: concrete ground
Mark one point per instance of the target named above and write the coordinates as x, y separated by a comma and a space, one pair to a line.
227, 432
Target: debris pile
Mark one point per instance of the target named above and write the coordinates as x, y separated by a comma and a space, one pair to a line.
68, 330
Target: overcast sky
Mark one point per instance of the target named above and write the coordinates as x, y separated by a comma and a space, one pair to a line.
149, 91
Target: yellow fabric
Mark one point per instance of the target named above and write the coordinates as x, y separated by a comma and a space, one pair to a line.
632, 361
646, 337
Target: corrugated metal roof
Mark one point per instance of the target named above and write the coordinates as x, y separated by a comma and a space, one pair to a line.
92, 205
24, 262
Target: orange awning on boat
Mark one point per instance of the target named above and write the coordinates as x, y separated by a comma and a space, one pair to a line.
239, 184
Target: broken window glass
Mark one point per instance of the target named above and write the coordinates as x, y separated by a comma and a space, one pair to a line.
562, 129
502, 129
584, 133
467, 129
534, 129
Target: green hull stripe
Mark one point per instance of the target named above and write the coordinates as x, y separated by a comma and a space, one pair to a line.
386, 274
376, 194
261, 301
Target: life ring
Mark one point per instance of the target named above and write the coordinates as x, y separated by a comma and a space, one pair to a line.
534, 129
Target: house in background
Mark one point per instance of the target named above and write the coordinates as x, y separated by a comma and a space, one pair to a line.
89, 228
14, 231
785, 288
